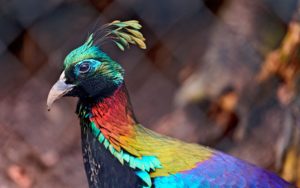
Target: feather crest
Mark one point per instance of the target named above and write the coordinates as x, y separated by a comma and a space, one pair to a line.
122, 33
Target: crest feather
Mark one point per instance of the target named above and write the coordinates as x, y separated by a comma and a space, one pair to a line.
122, 33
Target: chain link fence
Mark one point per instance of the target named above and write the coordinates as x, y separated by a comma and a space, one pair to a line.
218, 46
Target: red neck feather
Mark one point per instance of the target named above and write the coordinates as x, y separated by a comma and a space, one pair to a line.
114, 117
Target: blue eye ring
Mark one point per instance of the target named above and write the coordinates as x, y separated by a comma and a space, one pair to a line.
84, 67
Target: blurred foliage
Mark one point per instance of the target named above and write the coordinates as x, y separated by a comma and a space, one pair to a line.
285, 63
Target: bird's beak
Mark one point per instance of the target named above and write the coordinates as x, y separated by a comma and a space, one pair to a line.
58, 90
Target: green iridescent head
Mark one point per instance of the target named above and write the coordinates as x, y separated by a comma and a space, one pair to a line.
88, 71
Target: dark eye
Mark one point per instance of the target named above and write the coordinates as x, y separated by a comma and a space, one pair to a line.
84, 67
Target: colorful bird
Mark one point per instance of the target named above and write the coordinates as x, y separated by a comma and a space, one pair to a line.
117, 150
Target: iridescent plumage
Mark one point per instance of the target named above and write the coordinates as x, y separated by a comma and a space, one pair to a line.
117, 148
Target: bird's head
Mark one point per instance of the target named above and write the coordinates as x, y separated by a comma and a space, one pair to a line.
88, 71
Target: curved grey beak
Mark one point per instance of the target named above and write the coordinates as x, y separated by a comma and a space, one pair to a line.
58, 90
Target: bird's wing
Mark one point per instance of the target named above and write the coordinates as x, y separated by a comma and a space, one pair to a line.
193, 165
222, 170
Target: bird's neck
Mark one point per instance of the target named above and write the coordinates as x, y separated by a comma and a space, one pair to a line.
102, 123
112, 115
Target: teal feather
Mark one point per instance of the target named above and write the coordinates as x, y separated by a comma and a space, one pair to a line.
145, 177
101, 138
106, 143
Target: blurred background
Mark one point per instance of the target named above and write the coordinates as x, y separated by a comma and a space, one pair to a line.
224, 73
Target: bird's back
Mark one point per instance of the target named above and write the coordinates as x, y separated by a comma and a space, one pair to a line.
192, 165
222, 170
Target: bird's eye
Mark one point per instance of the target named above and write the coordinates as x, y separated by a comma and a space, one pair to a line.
84, 67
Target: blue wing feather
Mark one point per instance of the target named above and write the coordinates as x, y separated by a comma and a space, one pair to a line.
222, 171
